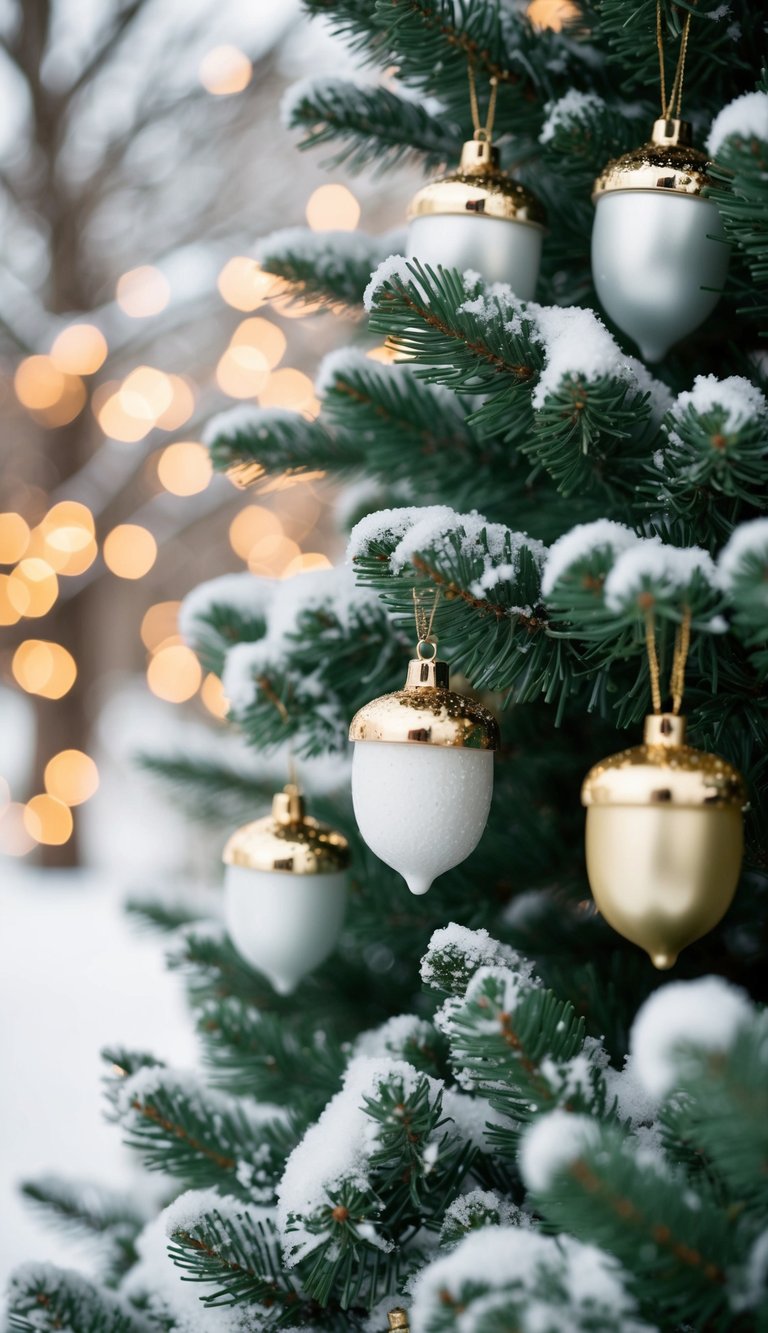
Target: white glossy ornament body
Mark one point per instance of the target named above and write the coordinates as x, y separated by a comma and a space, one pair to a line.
421, 808
659, 263
497, 249
283, 924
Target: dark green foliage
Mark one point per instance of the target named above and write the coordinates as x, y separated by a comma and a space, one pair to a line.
112, 1220
332, 268
239, 1254
42, 1298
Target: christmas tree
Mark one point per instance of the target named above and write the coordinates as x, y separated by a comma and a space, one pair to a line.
486, 1108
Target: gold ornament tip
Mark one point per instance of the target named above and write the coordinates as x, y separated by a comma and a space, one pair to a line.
288, 840
398, 1319
663, 961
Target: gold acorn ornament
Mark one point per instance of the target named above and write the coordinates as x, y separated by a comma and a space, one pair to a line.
285, 890
659, 250
664, 835
422, 772
478, 217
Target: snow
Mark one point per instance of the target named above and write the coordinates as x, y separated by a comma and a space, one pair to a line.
751, 1286
395, 267
509, 987
737, 397
551, 1144
339, 364
246, 420
248, 595
745, 117
577, 344
580, 543
706, 1014
185, 1213
573, 106
433, 527
633, 1101
335, 1149
388, 525
670, 568
748, 540
392, 1037
157, 1279
479, 1203
471, 1116
475, 948
332, 246
46, 1278
532, 1268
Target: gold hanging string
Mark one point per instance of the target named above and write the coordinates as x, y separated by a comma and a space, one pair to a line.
672, 106
679, 660
482, 132
274, 698
424, 623
653, 659
680, 657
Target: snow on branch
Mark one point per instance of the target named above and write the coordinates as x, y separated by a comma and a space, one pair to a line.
706, 1014
743, 118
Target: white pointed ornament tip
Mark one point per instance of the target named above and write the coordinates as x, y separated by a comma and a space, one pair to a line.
422, 775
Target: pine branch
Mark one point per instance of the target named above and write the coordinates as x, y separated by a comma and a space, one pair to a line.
42, 1298
112, 1218
218, 792
330, 267
238, 1252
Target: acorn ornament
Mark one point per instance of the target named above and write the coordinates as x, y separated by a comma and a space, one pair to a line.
422, 772
659, 251
478, 217
285, 891
664, 835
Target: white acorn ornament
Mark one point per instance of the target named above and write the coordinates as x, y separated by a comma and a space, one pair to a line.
285, 891
478, 217
422, 773
659, 253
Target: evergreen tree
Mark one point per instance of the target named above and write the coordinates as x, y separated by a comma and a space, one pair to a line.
484, 1107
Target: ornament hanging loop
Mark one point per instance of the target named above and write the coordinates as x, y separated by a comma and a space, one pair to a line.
425, 639
671, 106
679, 660
482, 133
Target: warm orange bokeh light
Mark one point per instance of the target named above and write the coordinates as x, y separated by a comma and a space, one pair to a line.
242, 372
44, 668
117, 424
80, 349
184, 468
244, 285
67, 407
143, 291
14, 538
213, 696
48, 820
332, 208
130, 551
301, 564
9, 615
182, 404
146, 393
65, 538
265, 336
32, 587
38, 382
160, 622
385, 353
71, 777
15, 838
289, 388
552, 14
250, 526
174, 673
224, 70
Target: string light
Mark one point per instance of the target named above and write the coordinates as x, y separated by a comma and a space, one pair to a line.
213, 696
174, 673
252, 525
32, 587
184, 468
182, 404
332, 208
15, 838
159, 624
242, 372
48, 821
553, 14
142, 292
244, 285
14, 538
9, 615
80, 349
71, 776
65, 538
44, 668
38, 382
301, 564
130, 551
262, 335
225, 70
289, 388
146, 393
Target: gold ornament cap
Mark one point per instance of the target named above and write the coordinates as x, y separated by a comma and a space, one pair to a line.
398, 1319
667, 162
426, 712
478, 188
665, 771
288, 839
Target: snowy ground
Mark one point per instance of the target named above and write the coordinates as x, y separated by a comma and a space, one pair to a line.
73, 977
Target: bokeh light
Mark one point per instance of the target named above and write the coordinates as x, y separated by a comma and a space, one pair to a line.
184, 468
146, 393
244, 285
80, 349
38, 382
332, 208
182, 404
174, 673
142, 292
552, 14
242, 372
71, 776
116, 423
15, 838
44, 668
9, 614
47, 820
130, 551
160, 623
66, 538
225, 70
213, 696
291, 389
301, 564
250, 526
262, 335
32, 587
14, 538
